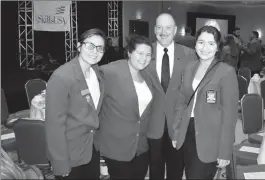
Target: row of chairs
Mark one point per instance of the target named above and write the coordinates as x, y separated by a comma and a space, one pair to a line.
32, 87
30, 135
243, 87
253, 125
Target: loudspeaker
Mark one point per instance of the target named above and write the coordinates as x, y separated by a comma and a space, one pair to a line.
139, 27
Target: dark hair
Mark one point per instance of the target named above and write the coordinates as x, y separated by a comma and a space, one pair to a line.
134, 40
255, 33
217, 37
187, 30
236, 28
92, 32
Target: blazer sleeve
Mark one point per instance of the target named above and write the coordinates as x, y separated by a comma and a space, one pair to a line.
179, 109
55, 124
229, 105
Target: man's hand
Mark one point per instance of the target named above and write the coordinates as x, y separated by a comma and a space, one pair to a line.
222, 163
174, 144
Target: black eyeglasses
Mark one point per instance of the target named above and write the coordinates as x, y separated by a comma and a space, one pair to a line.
91, 46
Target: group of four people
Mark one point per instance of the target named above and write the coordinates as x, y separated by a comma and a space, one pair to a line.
143, 111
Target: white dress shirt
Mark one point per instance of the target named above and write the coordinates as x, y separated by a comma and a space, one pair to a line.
159, 57
93, 86
144, 95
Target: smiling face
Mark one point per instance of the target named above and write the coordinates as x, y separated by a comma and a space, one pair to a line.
89, 55
206, 46
165, 29
140, 57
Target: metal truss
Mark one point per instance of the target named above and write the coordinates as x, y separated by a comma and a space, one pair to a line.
26, 34
113, 30
71, 37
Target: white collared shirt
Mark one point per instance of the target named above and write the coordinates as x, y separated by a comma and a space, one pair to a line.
93, 86
159, 57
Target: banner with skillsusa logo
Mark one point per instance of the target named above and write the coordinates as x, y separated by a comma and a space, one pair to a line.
51, 15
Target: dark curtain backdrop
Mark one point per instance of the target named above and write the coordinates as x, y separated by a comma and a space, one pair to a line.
91, 14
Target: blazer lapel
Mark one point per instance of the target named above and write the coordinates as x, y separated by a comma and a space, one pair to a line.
81, 78
177, 67
208, 77
190, 76
129, 85
153, 72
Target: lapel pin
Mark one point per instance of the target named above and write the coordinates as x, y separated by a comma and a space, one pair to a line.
88, 98
85, 92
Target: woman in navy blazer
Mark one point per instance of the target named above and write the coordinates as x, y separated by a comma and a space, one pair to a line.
73, 100
204, 128
125, 112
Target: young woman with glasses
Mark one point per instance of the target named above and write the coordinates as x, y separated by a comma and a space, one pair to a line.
73, 100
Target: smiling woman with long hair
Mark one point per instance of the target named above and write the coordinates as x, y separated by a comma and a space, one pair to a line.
206, 114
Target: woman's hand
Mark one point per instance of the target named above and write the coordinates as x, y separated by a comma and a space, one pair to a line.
174, 144
222, 163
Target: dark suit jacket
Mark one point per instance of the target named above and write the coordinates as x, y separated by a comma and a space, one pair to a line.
122, 133
214, 123
70, 119
251, 57
164, 103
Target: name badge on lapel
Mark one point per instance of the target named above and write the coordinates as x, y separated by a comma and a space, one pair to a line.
211, 96
86, 93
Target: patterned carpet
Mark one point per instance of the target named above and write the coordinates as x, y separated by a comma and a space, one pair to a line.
48, 173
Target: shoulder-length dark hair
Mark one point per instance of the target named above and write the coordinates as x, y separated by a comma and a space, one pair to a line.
133, 41
217, 37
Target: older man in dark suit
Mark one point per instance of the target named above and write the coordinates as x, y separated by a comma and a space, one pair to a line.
165, 70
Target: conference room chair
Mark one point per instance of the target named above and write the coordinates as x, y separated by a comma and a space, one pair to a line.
8, 140
262, 90
242, 86
252, 113
246, 73
31, 143
34, 87
257, 138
